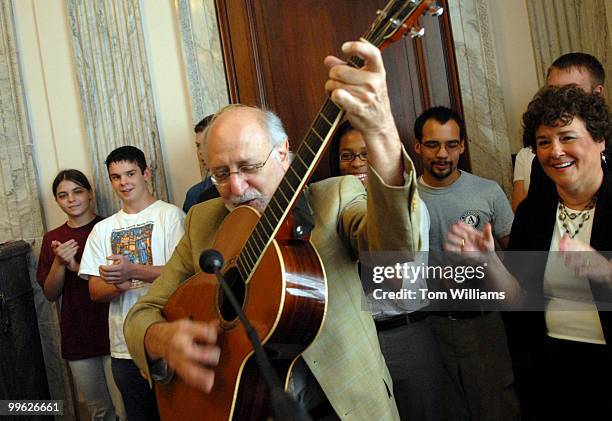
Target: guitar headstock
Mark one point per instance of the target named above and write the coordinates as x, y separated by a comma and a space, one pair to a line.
399, 18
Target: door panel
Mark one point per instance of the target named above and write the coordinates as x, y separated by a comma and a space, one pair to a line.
274, 52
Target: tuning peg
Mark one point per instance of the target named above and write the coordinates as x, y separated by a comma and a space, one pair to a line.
435, 9
416, 32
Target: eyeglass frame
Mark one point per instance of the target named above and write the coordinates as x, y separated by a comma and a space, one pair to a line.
363, 156
254, 168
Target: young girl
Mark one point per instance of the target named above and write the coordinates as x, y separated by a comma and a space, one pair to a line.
83, 323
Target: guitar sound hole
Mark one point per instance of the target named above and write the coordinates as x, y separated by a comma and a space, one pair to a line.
238, 287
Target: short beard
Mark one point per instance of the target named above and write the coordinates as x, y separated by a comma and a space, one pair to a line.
441, 176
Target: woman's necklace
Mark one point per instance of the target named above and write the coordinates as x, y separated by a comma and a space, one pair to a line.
566, 217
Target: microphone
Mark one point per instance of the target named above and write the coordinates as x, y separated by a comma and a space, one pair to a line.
211, 260
283, 405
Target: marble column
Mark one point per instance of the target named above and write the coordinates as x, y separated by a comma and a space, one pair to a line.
115, 88
203, 56
564, 26
481, 91
20, 208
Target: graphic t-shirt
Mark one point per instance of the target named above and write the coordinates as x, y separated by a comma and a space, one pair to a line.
147, 238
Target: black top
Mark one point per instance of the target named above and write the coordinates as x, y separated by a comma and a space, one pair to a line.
532, 230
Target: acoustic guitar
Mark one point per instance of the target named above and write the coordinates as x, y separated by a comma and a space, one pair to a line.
278, 279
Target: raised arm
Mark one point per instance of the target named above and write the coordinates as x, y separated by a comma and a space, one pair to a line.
392, 192
362, 93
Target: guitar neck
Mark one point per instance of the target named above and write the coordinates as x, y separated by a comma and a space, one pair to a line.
300, 170
393, 21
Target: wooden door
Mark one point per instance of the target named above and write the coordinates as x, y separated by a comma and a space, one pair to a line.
274, 50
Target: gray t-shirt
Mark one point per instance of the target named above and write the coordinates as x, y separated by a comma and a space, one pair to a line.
470, 199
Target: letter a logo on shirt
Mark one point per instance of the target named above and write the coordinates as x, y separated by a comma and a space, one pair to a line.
470, 217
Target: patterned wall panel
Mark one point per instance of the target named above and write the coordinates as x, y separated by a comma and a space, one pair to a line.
115, 88
481, 91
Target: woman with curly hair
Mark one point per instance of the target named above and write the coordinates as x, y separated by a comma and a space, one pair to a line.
561, 355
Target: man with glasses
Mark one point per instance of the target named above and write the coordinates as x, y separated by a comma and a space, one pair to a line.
478, 383
342, 375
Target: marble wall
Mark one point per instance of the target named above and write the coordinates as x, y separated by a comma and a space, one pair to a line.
20, 212
203, 57
115, 87
20, 209
483, 102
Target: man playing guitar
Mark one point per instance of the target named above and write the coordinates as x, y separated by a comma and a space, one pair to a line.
248, 161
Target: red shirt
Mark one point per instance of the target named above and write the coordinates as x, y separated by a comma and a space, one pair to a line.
83, 323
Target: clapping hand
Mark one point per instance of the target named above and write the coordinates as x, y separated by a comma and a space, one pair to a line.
585, 260
66, 253
463, 238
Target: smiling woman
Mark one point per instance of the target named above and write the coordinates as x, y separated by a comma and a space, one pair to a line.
569, 130
571, 158
568, 343
83, 323
348, 155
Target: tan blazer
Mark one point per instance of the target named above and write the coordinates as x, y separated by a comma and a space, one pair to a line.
345, 357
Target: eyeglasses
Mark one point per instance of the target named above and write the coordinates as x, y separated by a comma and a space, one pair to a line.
350, 156
221, 176
436, 144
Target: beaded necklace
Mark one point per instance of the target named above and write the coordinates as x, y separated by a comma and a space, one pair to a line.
566, 216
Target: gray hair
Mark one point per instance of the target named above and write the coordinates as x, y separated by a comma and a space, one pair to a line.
268, 120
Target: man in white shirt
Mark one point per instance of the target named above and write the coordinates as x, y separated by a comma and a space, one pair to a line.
123, 255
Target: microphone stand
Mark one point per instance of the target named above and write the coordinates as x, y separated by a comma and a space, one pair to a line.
283, 406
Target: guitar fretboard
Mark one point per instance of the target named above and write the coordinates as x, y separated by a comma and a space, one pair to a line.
290, 186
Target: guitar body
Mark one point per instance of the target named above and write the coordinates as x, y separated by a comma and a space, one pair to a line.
285, 300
